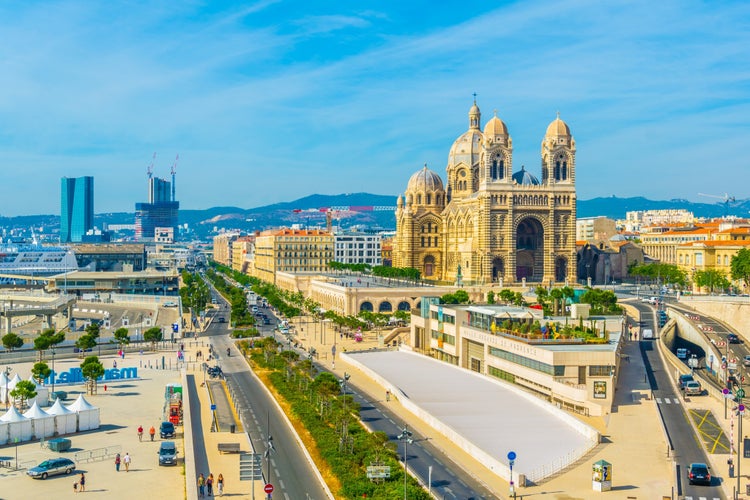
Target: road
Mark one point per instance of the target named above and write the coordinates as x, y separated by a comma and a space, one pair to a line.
686, 445
290, 472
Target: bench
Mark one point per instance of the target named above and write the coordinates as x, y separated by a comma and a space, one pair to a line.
229, 447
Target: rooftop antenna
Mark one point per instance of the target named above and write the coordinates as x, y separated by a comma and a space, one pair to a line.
174, 172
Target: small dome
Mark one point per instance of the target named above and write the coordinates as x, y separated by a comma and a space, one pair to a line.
524, 178
425, 181
558, 128
495, 127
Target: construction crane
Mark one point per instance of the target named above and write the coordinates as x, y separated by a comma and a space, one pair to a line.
726, 199
174, 172
150, 168
339, 211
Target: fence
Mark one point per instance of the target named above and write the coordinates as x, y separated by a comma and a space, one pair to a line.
97, 454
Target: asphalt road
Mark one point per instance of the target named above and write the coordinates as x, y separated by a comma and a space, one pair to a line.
291, 473
686, 445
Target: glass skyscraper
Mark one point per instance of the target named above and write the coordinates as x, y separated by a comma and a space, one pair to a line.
77, 208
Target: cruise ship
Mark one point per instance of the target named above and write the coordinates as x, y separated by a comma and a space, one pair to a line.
36, 260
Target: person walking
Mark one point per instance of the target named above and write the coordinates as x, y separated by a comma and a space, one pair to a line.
126, 461
152, 432
220, 485
140, 433
82, 483
117, 462
201, 485
387, 395
210, 484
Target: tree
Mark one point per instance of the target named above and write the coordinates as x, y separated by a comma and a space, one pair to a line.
153, 335
91, 369
740, 266
24, 390
48, 338
490, 297
12, 341
712, 279
40, 371
326, 384
507, 295
93, 329
122, 336
459, 297
86, 342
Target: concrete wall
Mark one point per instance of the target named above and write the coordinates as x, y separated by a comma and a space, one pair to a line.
734, 311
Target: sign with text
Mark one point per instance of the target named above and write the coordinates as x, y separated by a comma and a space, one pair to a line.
379, 471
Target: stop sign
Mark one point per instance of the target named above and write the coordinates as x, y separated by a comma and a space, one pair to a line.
268, 488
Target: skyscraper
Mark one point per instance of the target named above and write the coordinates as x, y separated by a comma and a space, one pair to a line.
76, 208
160, 211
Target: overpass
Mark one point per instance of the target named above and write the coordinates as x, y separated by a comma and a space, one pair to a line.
30, 304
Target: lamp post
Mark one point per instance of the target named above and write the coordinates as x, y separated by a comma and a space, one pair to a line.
7, 399
405, 436
53, 373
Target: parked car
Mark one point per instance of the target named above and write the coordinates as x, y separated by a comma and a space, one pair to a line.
166, 430
698, 473
170, 304
732, 338
167, 453
221, 319
746, 361
52, 467
684, 379
693, 388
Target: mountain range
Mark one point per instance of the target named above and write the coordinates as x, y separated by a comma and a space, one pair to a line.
307, 212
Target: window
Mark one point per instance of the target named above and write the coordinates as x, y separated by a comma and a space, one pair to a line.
600, 370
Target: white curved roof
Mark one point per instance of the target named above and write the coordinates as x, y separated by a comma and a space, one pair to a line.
36, 412
13, 415
81, 404
59, 409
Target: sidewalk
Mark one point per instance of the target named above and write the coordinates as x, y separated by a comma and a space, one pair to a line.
643, 472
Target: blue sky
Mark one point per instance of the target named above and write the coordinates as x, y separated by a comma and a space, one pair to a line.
274, 100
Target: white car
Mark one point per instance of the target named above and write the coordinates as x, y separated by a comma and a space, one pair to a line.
693, 388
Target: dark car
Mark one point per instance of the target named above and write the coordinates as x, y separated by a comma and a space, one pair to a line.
166, 430
733, 338
167, 453
52, 467
698, 474
684, 379
222, 319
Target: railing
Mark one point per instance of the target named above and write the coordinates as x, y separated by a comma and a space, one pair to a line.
97, 454
559, 464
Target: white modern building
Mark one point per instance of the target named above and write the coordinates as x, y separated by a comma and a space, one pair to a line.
358, 248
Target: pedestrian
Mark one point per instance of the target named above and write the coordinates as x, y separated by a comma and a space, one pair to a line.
82, 483
140, 433
201, 485
152, 432
220, 485
105, 387
126, 461
117, 462
75, 487
387, 395
114, 364
210, 484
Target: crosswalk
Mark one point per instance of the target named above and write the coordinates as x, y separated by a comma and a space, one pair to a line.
701, 498
667, 401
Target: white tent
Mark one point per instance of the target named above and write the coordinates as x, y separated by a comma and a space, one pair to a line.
43, 424
42, 393
88, 415
65, 420
4, 429
12, 383
19, 427
4, 381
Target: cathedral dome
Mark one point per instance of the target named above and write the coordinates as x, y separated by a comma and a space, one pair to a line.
558, 128
425, 181
524, 178
466, 149
495, 127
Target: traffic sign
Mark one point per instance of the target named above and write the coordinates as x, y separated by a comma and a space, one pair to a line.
721, 344
268, 488
511, 455
740, 393
213, 407
741, 409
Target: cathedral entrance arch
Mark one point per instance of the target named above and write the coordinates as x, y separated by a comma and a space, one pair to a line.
498, 269
530, 250
429, 266
561, 269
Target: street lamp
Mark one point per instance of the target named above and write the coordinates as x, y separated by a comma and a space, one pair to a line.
53, 373
7, 374
405, 436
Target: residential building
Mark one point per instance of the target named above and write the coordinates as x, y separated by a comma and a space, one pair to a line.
242, 253
595, 230
661, 242
636, 220
358, 248
76, 208
222, 252
294, 251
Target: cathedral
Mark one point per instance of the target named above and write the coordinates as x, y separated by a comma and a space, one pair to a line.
487, 223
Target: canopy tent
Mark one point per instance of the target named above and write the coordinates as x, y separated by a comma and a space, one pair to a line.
42, 393
43, 424
4, 429
65, 420
19, 427
12, 382
4, 383
88, 415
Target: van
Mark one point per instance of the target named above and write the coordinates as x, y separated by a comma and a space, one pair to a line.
647, 333
681, 353
167, 453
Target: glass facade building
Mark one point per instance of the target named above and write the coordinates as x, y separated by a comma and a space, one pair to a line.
76, 208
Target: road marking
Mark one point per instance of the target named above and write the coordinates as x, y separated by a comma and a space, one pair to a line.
281, 483
658, 401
